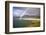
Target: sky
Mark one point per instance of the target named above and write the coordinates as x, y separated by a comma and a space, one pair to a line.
21, 11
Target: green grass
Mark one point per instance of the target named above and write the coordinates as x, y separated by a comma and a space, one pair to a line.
26, 23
